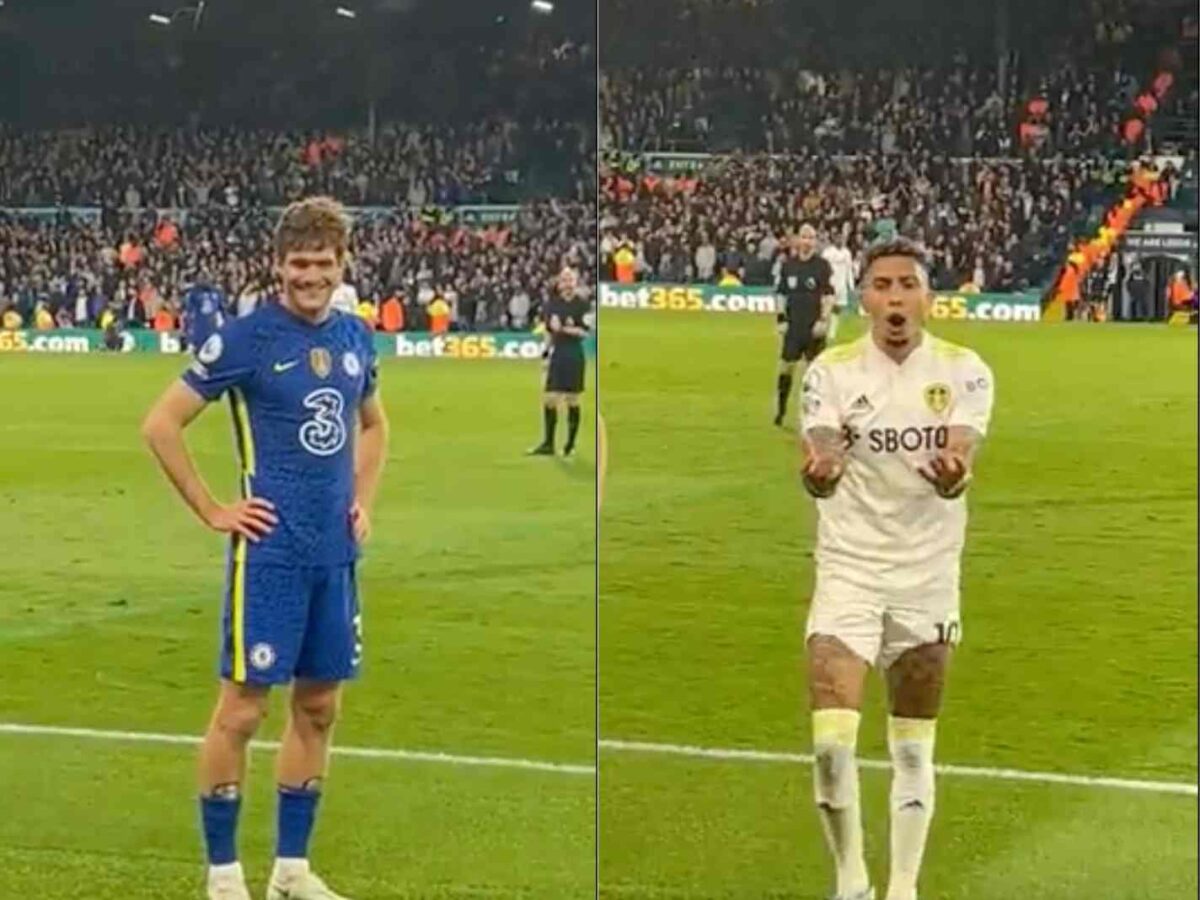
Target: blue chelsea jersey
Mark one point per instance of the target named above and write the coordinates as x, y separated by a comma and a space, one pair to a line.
203, 313
294, 389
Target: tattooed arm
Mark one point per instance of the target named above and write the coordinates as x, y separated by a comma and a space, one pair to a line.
950, 471
822, 445
824, 460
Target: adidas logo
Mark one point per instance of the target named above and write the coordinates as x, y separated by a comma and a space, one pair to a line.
862, 403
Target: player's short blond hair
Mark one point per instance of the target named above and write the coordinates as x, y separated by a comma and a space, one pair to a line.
310, 224
897, 246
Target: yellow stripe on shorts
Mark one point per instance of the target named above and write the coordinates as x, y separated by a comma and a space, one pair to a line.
239, 609
245, 442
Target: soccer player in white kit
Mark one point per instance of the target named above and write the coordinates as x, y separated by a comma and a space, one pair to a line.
841, 260
890, 426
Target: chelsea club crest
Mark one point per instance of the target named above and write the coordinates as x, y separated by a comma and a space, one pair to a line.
320, 361
262, 656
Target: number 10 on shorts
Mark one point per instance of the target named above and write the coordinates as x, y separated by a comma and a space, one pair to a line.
949, 632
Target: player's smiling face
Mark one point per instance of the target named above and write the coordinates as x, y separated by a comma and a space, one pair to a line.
895, 293
309, 277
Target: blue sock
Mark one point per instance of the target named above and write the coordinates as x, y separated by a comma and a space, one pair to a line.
297, 812
219, 814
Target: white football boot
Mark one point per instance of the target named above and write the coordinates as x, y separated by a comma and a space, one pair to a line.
299, 884
227, 883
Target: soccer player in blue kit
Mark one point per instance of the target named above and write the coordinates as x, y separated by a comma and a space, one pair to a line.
203, 311
312, 436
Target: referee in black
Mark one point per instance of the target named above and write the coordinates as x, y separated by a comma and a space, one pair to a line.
566, 322
806, 286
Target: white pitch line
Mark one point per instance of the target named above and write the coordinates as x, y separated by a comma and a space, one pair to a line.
1155, 787
745, 755
453, 759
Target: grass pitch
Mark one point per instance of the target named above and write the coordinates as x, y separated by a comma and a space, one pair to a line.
1079, 611
478, 591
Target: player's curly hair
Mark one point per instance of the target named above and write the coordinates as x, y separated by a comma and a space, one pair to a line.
312, 223
896, 246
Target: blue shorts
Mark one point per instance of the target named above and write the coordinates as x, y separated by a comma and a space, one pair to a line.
284, 622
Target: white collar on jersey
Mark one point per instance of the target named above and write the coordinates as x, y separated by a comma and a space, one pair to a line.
879, 360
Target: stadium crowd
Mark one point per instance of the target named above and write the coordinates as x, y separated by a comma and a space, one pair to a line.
136, 167
795, 92
958, 111
994, 154
957, 108
998, 225
127, 176
70, 272
447, 107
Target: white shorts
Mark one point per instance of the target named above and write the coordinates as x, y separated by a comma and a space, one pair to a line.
880, 625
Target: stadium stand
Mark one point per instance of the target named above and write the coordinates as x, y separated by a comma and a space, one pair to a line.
724, 123
134, 156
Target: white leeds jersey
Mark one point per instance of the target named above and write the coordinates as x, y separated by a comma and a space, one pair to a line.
842, 262
345, 298
885, 528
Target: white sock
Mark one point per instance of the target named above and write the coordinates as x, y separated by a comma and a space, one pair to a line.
911, 744
835, 789
226, 872
831, 333
287, 869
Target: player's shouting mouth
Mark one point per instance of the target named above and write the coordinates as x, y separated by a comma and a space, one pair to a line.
898, 332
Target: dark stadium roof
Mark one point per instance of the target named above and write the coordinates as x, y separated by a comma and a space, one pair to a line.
114, 47
94, 18
56, 27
